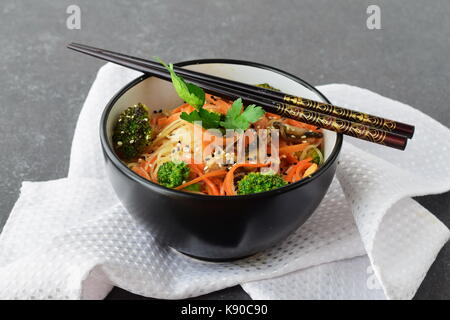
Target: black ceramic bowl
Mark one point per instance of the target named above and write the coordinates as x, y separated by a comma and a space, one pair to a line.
215, 227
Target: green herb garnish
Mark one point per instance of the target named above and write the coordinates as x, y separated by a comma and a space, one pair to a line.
189, 92
195, 96
237, 120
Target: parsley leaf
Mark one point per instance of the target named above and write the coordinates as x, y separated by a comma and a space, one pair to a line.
191, 117
189, 92
252, 113
210, 120
195, 96
237, 120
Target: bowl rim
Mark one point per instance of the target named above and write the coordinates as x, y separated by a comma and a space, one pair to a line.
149, 184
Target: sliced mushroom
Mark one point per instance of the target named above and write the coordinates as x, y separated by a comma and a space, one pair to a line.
295, 134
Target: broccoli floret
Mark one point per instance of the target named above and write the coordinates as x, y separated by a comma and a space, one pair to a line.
258, 182
172, 174
132, 132
267, 86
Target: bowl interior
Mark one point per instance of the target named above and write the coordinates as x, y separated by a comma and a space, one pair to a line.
159, 94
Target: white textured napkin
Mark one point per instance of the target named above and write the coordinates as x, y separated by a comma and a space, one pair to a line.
70, 238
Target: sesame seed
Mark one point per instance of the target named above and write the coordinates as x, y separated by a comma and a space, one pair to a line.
303, 137
131, 141
119, 143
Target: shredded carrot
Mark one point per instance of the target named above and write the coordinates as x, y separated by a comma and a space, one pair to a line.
262, 123
203, 177
291, 159
217, 105
299, 124
183, 108
293, 148
210, 186
222, 189
273, 115
155, 118
228, 181
163, 122
293, 174
140, 171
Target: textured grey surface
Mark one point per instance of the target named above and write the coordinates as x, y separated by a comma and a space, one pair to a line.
43, 85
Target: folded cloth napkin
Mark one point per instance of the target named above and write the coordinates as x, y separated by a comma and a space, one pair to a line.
71, 238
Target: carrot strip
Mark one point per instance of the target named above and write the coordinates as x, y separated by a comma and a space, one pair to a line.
210, 186
203, 177
140, 171
298, 174
293, 173
299, 124
293, 148
217, 105
229, 183
273, 115
163, 122
290, 173
291, 159
183, 108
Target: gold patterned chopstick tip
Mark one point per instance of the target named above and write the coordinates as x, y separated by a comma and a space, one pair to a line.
351, 115
343, 126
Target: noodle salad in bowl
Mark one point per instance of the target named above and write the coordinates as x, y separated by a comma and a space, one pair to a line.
214, 146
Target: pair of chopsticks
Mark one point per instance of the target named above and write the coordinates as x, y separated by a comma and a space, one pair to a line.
349, 122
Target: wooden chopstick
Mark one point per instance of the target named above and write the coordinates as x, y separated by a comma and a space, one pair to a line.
218, 87
388, 125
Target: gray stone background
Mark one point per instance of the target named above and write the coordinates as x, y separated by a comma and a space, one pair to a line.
43, 85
